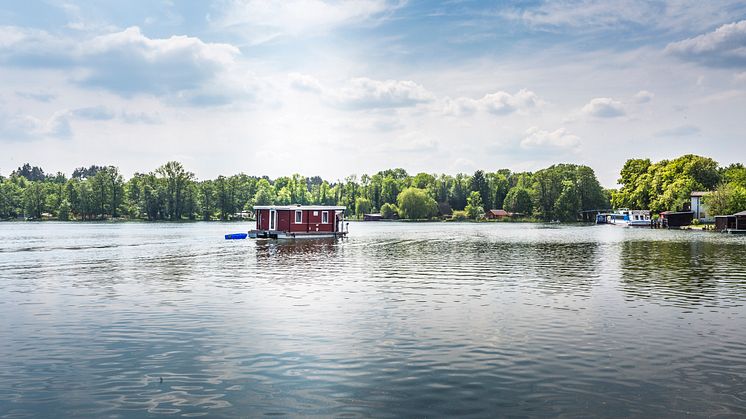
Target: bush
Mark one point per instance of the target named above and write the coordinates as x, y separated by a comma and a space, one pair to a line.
389, 210
459, 216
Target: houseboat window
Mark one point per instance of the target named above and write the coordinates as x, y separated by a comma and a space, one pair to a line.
298, 217
325, 217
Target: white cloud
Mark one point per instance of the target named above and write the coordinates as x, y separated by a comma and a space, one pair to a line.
558, 139
140, 118
365, 93
724, 47
37, 96
460, 106
94, 113
306, 83
127, 63
20, 127
264, 20
502, 103
414, 141
498, 103
643, 96
590, 15
581, 13
604, 107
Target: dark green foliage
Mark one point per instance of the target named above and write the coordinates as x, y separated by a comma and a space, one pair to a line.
416, 204
667, 184
389, 211
561, 191
171, 192
474, 208
32, 173
362, 206
518, 200
478, 183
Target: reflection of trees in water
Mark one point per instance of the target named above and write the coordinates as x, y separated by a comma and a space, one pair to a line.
563, 267
552, 267
688, 273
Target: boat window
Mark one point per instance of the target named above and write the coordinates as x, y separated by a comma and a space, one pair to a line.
325, 217
298, 216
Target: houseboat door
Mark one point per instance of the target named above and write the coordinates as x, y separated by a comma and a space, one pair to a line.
272, 220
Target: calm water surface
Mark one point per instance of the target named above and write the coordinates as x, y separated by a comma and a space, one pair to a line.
397, 320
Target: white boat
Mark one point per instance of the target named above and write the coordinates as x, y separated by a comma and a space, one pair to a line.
625, 217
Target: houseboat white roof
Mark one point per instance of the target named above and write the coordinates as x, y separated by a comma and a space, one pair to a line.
300, 207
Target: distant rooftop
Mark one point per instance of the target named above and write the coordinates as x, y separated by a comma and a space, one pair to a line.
300, 207
700, 193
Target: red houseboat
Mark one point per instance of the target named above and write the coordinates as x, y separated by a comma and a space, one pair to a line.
298, 221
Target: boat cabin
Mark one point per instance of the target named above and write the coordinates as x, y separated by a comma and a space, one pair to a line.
298, 221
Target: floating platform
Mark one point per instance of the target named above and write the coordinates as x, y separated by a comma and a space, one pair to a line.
276, 234
734, 231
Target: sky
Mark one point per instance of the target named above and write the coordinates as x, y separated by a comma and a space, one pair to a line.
334, 88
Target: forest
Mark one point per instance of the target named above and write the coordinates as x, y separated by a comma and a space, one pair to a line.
172, 193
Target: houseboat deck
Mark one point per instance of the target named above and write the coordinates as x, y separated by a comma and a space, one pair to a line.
276, 234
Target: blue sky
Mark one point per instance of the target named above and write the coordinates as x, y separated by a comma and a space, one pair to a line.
335, 88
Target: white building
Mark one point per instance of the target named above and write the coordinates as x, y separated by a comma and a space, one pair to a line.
699, 207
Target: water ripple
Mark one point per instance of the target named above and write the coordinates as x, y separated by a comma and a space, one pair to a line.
400, 319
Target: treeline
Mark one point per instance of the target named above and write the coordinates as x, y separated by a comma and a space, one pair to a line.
667, 184
171, 192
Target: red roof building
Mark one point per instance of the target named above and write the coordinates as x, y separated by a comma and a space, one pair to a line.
497, 214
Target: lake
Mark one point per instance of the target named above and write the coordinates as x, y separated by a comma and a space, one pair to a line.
398, 320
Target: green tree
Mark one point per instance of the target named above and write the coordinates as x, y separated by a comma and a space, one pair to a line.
728, 198
478, 183
362, 206
63, 212
34, 199
568, 202
389, 211
498, 185
459, 191
415, 204
265, 194
474, 208
11, 199
518, 200
176, 180
206, 198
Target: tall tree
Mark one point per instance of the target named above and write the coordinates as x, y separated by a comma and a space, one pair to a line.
478, 183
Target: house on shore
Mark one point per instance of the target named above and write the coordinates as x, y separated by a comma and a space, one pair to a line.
497, 214
698, 206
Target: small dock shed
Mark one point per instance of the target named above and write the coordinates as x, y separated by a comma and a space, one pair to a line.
735, 223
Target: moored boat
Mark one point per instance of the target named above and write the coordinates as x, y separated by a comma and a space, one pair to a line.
298, 221
626, 218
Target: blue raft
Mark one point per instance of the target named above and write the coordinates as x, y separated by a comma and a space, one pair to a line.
236, 236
